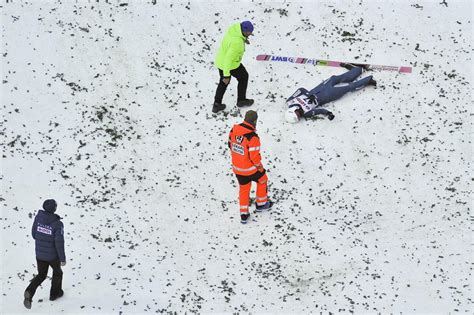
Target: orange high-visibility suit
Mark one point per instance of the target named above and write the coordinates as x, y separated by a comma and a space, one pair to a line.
244, 145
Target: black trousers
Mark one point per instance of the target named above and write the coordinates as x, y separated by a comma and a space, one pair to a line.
244, 180
242, 77
56, 283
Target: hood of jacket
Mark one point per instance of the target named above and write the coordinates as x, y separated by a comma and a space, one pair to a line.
236, 31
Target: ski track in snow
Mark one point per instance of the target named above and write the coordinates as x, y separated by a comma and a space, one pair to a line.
107, 108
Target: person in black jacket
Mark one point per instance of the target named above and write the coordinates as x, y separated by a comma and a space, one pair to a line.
48, 232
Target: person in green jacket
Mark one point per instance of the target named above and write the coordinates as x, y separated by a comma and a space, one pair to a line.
228, 61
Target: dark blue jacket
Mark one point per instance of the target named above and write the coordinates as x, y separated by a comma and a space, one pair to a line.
48, 232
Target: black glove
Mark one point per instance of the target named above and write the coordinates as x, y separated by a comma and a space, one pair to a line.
312, 99
330, 116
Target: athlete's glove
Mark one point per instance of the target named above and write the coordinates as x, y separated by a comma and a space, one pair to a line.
312, 99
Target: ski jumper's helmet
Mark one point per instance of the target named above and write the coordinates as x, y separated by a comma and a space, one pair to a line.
291, 116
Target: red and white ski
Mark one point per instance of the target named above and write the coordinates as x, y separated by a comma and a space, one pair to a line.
331, 63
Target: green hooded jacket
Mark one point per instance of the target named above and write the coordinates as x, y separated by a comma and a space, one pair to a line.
231, 50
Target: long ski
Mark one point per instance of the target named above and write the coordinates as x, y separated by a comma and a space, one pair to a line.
331, 63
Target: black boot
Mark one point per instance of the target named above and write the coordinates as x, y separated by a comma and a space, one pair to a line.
28, 299
372, 82
217, 107
244, 218
57, 296
244, 102
265, 206
348, 66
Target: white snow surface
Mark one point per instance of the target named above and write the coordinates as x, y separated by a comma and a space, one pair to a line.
106, 107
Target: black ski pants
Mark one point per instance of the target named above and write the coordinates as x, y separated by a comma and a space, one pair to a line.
56, 282
242, 77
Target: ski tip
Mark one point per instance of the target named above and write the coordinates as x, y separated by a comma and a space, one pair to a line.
262, 57
405, 69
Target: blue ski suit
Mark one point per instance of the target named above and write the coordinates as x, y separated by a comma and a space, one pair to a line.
328, 91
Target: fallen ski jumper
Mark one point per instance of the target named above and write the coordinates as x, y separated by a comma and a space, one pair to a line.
304, 103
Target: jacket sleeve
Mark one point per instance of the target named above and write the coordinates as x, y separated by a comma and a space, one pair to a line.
297, 93
33, 229
59, 241
234, 52
317, 111
230, 138
254, 152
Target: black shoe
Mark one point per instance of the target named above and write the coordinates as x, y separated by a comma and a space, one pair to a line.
244, 218
245, 102
266, 206
372, 82
348, 66
28, 299
217, 107
54, 297
330, 116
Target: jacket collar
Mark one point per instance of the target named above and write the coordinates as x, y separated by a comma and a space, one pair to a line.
237, 31
49, 214
247, 125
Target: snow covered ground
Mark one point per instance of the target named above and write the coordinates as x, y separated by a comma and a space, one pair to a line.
106, 107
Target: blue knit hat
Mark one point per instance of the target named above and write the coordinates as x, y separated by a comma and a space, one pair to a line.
50, 205
247, 26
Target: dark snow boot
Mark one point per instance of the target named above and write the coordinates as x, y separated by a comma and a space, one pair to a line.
217, 107
348, 66
28, 299
57, 296
244, 102
265, 206
244, 217
372, 82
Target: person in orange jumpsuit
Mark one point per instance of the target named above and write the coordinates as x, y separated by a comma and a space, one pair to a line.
244, 145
